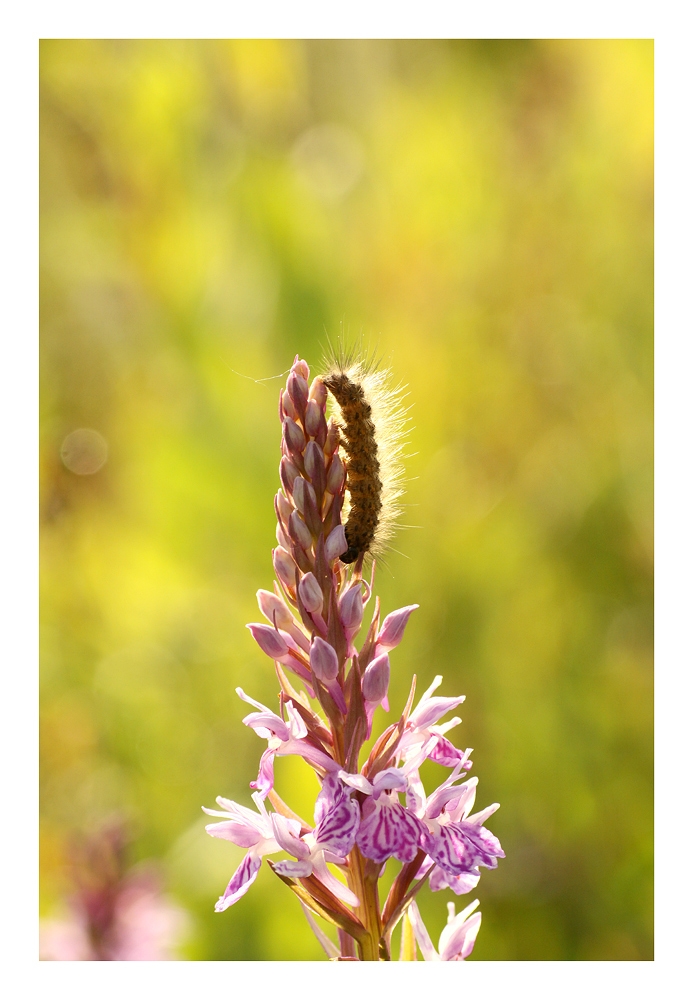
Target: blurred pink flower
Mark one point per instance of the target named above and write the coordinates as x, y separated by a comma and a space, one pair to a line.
114, 915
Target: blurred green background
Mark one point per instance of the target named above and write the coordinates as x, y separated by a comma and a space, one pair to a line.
480, 212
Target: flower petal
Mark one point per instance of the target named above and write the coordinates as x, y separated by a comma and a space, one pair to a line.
337, 831
460, 884
428, 712
293, 869
390, 831
264, 782
237, 833
241, 881
422, 936
458, 937
287, 834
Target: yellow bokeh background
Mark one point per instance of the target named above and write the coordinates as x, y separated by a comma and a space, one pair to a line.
480, 213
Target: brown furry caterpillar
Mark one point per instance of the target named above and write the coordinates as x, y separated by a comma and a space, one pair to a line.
371, 419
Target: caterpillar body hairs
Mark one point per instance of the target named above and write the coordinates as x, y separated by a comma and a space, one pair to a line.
372, 422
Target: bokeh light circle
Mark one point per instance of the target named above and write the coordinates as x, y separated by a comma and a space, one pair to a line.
84, 451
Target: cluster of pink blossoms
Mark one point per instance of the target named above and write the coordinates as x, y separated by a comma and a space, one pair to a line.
116, 913
366, 812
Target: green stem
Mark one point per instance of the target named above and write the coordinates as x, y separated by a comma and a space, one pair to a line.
365, 884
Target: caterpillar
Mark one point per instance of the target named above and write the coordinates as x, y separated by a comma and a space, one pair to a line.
372, 423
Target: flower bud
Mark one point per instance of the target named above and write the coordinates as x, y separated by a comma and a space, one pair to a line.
376, 679
297, 387
287, 473
335, 476
288, 409
269, 641
311, 595
284, 567
294, 436
314, 460
392, 630
313, 418
301, 493
323, 660
298, 530
274, 609
283, 539
284, 508
336, 543
351, 608
318, 392
305, 500
301, 368
332, 439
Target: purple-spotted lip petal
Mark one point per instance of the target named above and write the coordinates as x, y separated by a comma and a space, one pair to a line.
390, 831
337, 831
241, 881
293, 869
459, 847
446, 753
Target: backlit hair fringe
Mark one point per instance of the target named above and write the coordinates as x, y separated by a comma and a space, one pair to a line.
373, 422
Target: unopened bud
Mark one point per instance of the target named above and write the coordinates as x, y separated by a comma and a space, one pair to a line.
298, 530
284, 567
288, 407
301, 368
269, 641
294, 436
335, 476
304, 498
351, 608
314, 460
318, 392
287, 473
274, 609
283, 539
336, 543
393, 627
297, 387
313, 418
376, 679
323, 660
301, 488
311, 594
284, 508
332, 439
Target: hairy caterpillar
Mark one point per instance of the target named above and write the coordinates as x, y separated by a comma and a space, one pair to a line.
372, 420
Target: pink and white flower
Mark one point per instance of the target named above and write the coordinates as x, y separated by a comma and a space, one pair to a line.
244, 828
457, 938
337, 819
283, 738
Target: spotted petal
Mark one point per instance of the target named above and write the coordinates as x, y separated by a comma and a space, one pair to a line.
242, 879
337, 830
390, 831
